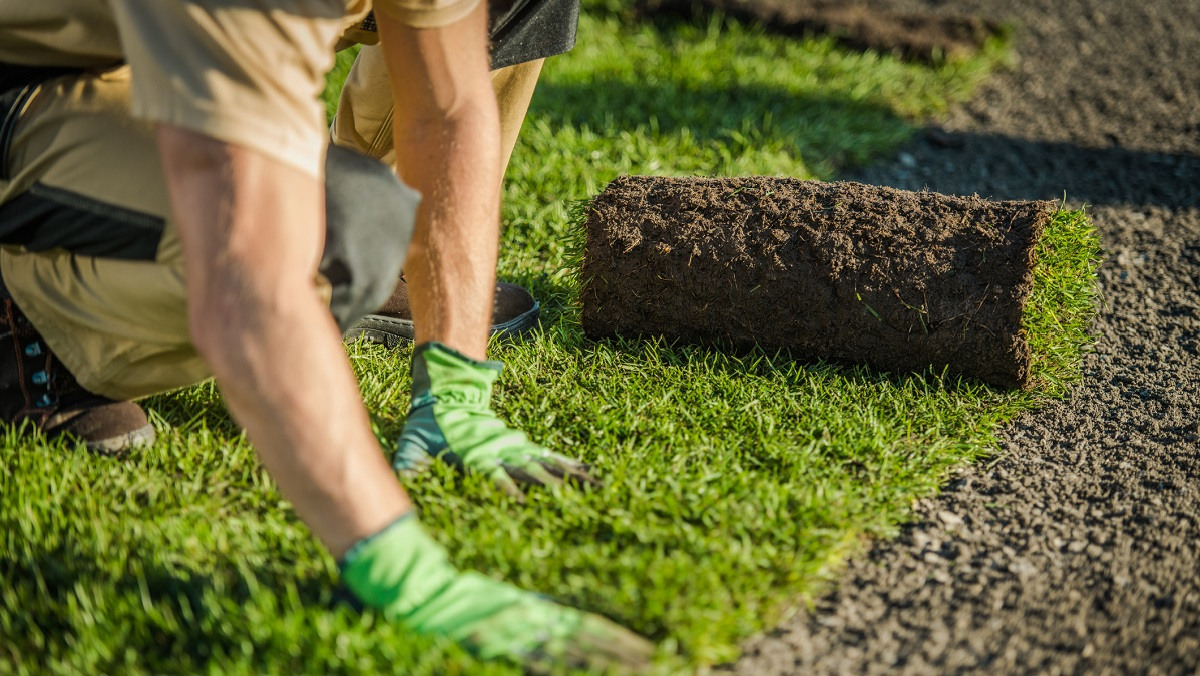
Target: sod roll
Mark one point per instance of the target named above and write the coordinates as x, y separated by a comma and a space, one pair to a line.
841, 272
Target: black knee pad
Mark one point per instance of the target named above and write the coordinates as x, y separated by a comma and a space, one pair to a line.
527, 30
369, 219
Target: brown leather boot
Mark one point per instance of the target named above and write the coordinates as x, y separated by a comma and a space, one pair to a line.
36, 387
514, 312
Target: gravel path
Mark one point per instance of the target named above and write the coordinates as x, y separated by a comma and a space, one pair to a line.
1077, 550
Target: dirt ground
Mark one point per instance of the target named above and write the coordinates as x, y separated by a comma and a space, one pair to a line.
1077, 550
844, 272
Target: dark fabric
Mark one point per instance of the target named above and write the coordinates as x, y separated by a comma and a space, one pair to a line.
370, 216
524, 30
45, 217
13, 76
527, 30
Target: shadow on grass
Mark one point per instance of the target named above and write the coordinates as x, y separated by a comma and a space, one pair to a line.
828, 132
174, 608
560, 322
193, 408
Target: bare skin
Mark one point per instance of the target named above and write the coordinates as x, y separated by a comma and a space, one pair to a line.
293, 390
451, 266
307, 423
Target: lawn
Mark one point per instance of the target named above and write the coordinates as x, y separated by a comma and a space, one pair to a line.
733, 483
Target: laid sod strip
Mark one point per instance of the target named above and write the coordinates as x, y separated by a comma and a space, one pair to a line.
843, 272
732, 484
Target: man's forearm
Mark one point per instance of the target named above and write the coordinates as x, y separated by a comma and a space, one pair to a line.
447, 127
451, 263
252, 231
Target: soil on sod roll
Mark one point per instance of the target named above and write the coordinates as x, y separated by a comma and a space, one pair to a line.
840, 272
912, 35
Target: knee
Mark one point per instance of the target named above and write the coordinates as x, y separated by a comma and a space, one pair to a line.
369, 216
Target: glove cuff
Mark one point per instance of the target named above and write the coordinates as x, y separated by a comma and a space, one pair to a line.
438, 371
453, 354
364, 546
396, 569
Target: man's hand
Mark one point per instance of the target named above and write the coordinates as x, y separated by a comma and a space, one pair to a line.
404, 574
451, 420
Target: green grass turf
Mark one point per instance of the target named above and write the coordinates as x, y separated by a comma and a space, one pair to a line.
733, 483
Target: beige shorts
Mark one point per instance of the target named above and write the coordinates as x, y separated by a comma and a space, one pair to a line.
364, 116
114, 309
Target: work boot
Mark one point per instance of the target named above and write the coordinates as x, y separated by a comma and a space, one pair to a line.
36, 387
514, 312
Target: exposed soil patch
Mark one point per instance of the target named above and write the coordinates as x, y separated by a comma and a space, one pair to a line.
1078, 549
908, 34
841, 272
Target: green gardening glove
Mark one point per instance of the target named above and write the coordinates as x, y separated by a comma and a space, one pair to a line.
451, 420
406, 575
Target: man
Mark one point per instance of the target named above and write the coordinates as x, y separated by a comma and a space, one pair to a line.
169, 209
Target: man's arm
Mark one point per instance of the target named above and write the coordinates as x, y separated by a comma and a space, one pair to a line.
447, 135
252, 230
447, 127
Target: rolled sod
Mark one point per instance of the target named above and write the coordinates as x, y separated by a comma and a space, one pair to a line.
840, 272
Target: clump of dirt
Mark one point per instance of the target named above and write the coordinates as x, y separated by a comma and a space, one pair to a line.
912, 35
841, 272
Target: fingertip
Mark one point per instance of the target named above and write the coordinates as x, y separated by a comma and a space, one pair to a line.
507, 485
585, 477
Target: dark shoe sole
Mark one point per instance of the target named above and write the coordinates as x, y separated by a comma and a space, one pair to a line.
391, 332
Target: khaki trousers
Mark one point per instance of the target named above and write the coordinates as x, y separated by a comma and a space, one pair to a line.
364, 115
108, 296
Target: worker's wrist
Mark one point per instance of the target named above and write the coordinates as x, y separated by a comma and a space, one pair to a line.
439, 370
456, 355
396, 569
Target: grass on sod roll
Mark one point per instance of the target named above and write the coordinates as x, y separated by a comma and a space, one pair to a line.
732, 483
1064, 300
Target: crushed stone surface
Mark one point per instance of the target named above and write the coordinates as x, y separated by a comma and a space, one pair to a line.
1076, 549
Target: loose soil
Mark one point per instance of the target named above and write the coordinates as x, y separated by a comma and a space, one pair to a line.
841, 272
917, 35
1077, 550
